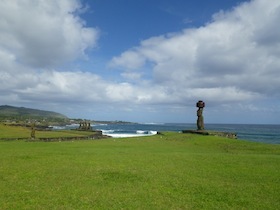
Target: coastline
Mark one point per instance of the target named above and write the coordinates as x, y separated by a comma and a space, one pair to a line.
212, 133
267, 133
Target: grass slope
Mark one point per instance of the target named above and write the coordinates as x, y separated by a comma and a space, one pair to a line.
170, 171
11, 111
7, 131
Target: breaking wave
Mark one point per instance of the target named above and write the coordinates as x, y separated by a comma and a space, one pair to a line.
123, 134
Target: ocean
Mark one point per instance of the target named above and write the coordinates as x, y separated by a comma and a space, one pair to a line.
258, 133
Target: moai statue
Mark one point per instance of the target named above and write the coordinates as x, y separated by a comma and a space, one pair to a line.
84, 127
33, 131
200, 122
89, 127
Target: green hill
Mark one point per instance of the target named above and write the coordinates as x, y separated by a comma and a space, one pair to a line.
11, 112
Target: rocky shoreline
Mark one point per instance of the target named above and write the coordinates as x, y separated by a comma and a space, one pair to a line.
212, 133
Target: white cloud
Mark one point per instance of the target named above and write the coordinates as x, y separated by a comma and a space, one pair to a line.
131, 75
44, 33
233, 58
131, 60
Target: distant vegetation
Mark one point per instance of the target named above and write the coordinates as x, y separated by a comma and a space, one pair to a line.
24, 115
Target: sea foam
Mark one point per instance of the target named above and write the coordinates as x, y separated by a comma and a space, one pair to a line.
125, 135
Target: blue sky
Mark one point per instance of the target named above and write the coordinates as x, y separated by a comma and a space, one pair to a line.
143, 61
125, 23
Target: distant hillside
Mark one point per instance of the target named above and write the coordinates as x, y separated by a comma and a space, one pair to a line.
11, 112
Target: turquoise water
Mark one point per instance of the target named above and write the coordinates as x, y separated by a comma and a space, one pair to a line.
258, 133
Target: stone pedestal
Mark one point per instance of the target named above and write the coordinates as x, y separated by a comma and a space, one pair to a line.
212, 133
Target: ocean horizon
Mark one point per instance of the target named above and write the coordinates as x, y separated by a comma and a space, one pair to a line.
265, 133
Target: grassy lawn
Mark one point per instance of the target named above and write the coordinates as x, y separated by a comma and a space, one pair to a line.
169, 171
24, 132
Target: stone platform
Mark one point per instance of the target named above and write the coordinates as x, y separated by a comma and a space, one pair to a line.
212, 133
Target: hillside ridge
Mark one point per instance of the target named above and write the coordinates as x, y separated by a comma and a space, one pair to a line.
7, 111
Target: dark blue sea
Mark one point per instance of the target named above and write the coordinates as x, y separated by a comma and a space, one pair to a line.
258, 133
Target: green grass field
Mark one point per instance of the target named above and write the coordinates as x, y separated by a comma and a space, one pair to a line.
169, 171
24, 132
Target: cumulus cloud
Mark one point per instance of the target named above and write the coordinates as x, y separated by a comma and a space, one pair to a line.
44, 33
235, 57
35, 39
232, 59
